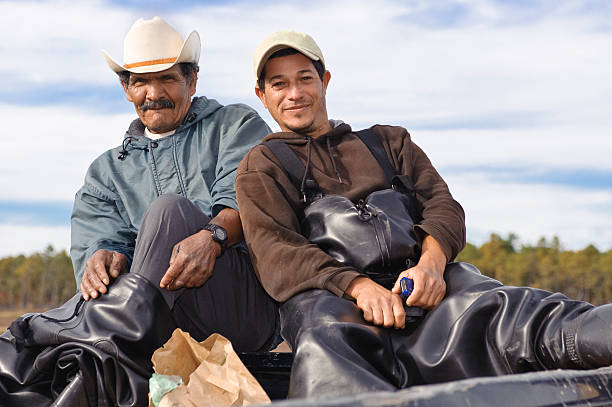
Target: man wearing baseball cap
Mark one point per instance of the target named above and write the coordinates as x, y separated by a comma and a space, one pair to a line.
350, 334
163, 203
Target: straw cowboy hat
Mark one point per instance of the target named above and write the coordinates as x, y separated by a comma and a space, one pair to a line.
153, 46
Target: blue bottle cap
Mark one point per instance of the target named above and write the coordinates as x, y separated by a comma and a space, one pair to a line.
407, 285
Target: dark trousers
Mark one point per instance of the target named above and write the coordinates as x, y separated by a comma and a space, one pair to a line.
481, 328
231, 302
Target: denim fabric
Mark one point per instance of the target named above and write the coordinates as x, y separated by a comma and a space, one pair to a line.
198, 162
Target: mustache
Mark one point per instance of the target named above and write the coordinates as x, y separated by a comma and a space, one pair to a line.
156, 104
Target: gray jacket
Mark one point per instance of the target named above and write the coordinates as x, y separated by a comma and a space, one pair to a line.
198, 162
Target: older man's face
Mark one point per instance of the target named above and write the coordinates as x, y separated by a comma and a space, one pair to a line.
161, 99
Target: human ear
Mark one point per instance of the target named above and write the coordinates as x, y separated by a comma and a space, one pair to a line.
261, 95
326, 78
193, 84
127, 92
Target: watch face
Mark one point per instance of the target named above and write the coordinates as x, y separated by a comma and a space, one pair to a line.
220, 233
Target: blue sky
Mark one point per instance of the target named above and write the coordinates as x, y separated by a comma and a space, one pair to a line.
510, 99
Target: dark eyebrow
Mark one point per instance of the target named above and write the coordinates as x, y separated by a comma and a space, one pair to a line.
280, 76
134, 78
275, 77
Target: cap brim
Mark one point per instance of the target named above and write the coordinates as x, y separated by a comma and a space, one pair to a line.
277, 47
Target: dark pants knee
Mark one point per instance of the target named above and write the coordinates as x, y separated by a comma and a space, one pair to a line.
168, 220
231, 302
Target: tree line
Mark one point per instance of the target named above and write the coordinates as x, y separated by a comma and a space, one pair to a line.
582, 275
41, 280
46, 279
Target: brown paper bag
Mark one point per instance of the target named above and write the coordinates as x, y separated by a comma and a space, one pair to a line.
212, 373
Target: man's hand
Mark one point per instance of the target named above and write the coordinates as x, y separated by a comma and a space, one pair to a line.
379, 305
192, 261
428, 277
101, 265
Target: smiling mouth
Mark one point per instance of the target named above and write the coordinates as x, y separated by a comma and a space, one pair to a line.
294, 108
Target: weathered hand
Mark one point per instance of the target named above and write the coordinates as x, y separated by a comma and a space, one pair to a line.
429, 286
428, 276
379, 305
192, 261
102, 265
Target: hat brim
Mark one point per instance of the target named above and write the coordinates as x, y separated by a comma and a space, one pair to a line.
190, 52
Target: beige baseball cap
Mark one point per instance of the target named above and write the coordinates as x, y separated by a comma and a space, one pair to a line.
154, 46
285, 39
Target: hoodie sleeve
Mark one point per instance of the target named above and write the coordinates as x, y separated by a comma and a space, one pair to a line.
242, 129
97, 223
285, 262
443, 216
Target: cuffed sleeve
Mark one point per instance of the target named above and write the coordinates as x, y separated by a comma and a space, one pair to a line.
442, 216
96, 223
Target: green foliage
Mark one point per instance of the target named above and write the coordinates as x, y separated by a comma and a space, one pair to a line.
46, 279
581, 275
42, 279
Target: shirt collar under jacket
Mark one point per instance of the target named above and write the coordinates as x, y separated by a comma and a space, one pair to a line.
157, 136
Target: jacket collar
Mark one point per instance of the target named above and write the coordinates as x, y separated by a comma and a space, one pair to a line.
200, 108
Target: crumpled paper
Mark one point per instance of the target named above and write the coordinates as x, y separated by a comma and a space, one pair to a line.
212, 373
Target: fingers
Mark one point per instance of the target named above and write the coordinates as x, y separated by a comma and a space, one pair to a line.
117, 265
388, 312
378, 314
98, 279
95, 278
85, 287
169, 279
397, 288
429, 289
100, 267
381, 307
189, 266
367, 314
399, 315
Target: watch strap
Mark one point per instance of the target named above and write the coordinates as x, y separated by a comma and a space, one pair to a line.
217, 232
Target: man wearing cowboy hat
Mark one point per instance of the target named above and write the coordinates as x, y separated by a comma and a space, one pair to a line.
163, 203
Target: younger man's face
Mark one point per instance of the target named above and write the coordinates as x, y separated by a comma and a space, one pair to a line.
295, 95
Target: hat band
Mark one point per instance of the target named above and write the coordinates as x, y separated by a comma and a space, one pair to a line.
151, 62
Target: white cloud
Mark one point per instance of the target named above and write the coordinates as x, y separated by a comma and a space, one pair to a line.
29, 239
577, 216
46, 151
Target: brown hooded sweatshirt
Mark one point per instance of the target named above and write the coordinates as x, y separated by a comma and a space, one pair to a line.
341, 163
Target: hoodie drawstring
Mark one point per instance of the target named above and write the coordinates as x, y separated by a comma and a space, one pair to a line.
331, 156
305, 184
302, 186
127, 141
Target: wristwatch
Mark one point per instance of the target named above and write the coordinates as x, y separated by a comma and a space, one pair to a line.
219, 235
